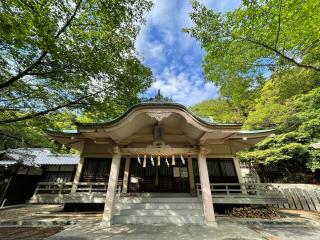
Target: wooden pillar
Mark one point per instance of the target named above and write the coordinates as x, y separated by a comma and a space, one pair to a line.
112, 187
126, 175
191, 177
205, 188
239, 174
77, 175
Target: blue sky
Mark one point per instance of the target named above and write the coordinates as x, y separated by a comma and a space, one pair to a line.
174, 57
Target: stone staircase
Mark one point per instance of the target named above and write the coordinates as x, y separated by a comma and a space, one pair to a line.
158, 210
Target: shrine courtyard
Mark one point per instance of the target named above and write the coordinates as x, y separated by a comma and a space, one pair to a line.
48, 222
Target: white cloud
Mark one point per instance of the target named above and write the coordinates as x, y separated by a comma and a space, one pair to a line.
174, 56
221, 5
182, 87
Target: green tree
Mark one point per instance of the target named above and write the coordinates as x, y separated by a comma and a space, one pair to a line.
220, 110
264, 57
69, 54
297, 120
30, 133
279, 100
257, 38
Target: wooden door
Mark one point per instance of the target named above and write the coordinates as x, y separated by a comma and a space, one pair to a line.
161, 178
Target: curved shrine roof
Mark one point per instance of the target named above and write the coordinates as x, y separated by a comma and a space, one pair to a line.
164, 105
180, 124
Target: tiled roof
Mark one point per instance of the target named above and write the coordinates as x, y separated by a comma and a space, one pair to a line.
38, 156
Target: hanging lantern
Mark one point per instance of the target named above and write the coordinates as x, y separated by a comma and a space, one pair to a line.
139, 160
182, 160
158, 161
152, 161
173, 161
144, 161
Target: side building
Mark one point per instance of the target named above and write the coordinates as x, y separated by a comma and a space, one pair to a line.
22, 169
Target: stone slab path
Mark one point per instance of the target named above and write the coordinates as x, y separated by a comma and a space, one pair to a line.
23, 223
224, 231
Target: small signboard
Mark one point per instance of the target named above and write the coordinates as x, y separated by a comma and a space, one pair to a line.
184, 172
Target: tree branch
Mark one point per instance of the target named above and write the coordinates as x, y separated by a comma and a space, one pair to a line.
50, 73
314, 44
67, 24
24, 72
254, 2
41, 113
43, 55
9, 136
279, 25
279, 54
29, 6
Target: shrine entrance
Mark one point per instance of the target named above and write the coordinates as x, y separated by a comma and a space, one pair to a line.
151, 177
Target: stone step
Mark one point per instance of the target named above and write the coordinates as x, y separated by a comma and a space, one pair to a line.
177, 220
158, 200
155, 206
161, 212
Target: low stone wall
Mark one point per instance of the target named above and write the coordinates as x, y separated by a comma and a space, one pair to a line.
300, 196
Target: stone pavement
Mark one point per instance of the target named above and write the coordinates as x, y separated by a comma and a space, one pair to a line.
90, 231
224, 231
42, 215
293, 224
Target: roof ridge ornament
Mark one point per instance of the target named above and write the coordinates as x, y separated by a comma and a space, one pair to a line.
159, 115
159, 98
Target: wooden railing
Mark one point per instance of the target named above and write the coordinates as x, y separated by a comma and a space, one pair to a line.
257, 189
53, 188
66, 187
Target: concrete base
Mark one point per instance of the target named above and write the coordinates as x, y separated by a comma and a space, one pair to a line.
211, 224
105, 224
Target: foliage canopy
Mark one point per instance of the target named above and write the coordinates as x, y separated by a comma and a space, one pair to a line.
72, 54
264, 57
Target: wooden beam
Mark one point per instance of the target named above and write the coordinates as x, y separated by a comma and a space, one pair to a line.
159, 151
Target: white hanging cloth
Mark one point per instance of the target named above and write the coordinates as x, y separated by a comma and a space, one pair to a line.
167, 162
182, 160
144, 161
173, 161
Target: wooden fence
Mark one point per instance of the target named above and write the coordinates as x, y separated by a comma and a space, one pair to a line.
300, 196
